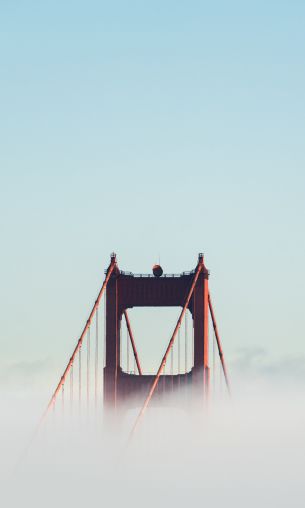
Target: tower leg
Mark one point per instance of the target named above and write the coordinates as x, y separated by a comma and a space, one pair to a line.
201, 336
111, 369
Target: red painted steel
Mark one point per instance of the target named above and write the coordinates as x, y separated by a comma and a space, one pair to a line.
133, 342
201, 322
199, 269
110, 270
220, 350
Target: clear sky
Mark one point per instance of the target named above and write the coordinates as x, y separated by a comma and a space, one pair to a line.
151, 128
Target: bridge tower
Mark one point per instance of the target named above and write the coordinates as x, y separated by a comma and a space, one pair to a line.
125, 291
122, 389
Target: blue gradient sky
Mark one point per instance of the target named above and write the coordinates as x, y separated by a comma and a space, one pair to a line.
147, 128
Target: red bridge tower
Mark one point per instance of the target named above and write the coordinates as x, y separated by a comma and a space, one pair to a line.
125, 291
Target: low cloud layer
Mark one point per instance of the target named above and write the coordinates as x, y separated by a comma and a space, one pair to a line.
243, 452
254, 363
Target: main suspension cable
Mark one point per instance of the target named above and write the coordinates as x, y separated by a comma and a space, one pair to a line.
133, 344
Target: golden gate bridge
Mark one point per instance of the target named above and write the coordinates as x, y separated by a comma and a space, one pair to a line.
104, 370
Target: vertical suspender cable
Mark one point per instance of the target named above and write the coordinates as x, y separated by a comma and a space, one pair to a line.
104, 347
88, 367
193, 334
63, 398
121, 348
80, 377
220, 380
179, 347
71, 387
103, 359
172, 368
186, 342
193, 331
164, 378
96, 359
127, 350
214, 364
110, 270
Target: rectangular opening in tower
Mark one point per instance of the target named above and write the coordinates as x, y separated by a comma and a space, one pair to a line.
152, 329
